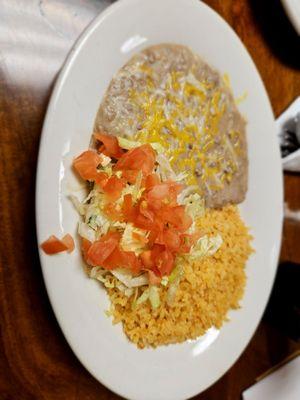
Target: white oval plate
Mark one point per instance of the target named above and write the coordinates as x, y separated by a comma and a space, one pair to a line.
176, 371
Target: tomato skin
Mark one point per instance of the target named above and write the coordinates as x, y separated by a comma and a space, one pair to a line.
53, 245
110, 143
86, 164
113, 187
141, 158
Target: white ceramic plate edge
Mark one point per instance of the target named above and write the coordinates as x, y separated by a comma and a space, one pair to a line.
54, 97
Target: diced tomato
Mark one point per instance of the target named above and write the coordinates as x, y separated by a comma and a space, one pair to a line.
69, 242
85, 245
156, 250
153, 236
144, 223
152, 180
166, 191
113, 187
171, 239
86, 165
53, 245
139, 238
177, 217
146, 258
131, 261
141, 158
130, 175
101, 249
144, 210
111, 145
115, 259
153, 279
129, 211
113, 212
101, 178
165, 262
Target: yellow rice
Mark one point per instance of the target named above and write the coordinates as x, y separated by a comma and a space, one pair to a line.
210, 287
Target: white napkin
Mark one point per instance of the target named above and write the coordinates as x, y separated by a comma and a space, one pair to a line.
282, 384
292, 161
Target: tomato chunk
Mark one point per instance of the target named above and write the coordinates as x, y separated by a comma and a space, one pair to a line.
122, 259
53, 245
152, 180
165, 262
146, 258
177, 217
101, 249
113, 212
113, 187
171, 239
69, 242
130, 175
86, 165
141, 158
85, 245
111, 145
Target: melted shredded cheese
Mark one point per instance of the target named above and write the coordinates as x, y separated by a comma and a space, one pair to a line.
184, 115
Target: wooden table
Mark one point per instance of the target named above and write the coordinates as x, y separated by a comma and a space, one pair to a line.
35, 37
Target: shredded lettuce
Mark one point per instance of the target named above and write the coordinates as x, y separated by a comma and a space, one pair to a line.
174, 280
165, 170
143, 297
80, 208
128, 144
157, 147
194, 205
95, 219
164, 281
129, 243
86, 232
186, 192
177, 272
120, 226
206, 246
127, 291
130, 281
105, 160
135, 190
154, 296
103, 276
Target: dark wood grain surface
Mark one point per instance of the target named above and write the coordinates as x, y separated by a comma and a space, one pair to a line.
35, 37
